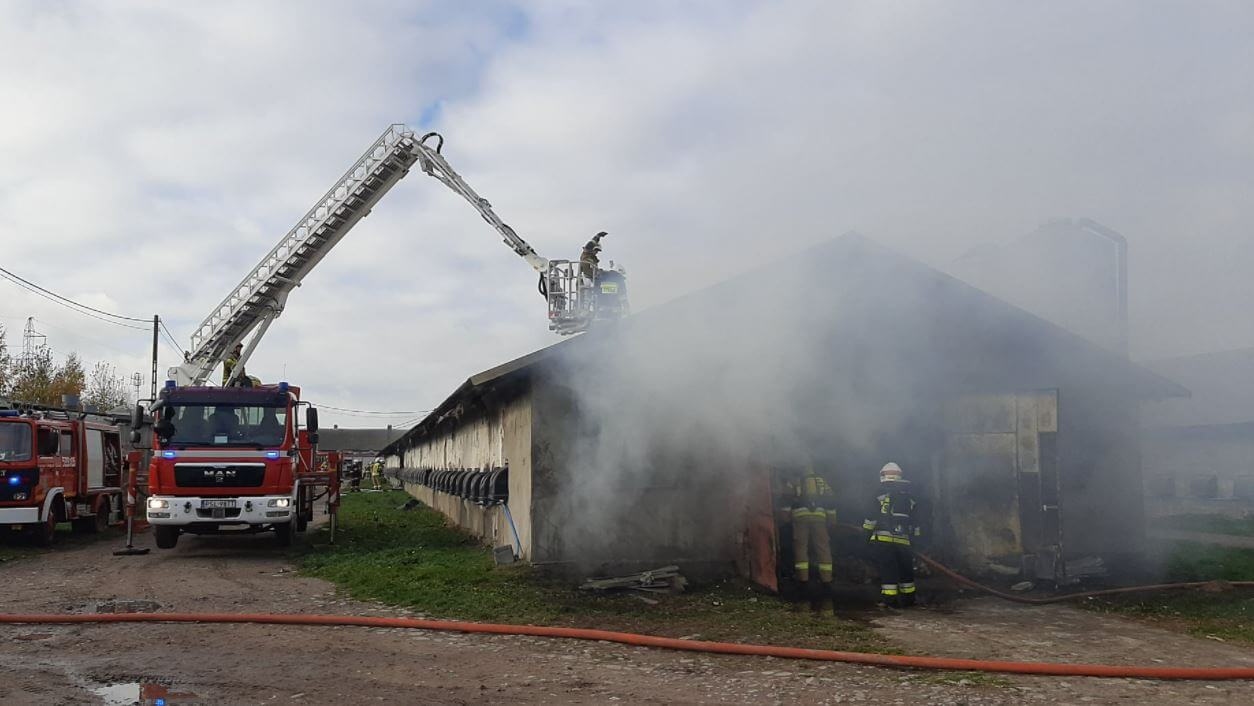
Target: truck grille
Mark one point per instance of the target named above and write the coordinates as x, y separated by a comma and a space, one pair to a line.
218, 476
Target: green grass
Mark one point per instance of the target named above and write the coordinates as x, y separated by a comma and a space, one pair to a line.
1228, 615
1215, 524
415, 560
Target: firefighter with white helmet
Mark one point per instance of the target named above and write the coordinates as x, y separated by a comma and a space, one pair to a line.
889, 528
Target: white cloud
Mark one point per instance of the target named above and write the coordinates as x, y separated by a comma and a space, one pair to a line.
152, 152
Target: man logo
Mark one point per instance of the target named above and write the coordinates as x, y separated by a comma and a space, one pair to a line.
220, 474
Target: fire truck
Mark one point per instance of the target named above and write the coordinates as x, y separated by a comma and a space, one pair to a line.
234, 459
236, 456
58, 466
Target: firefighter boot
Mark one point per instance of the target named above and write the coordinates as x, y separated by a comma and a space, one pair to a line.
817, 595
800, 596
827, 608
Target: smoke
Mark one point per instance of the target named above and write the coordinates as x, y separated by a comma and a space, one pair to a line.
682, 412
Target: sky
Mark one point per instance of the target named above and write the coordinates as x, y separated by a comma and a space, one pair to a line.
152, 152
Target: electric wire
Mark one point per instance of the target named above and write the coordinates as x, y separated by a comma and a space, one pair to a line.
173, 339
63, 300
373, 412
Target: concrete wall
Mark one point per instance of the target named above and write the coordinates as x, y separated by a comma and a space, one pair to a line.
495, 434
683, 505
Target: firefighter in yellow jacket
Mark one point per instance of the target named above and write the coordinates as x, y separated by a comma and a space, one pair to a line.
812, 511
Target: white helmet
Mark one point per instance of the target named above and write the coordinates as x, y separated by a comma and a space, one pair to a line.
891, 473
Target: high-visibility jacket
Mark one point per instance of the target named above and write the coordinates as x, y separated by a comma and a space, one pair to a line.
892, 520
813, 498
228, 366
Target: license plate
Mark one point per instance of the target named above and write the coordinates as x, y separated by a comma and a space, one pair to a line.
217, 503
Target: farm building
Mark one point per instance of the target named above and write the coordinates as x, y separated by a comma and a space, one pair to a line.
661, 440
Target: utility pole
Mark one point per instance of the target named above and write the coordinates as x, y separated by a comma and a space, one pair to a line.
156, 330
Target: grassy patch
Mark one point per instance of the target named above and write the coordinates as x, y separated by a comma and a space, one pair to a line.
414, 559
1228, 615
1215, 524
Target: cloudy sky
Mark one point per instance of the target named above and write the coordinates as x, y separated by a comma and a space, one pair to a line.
152, 152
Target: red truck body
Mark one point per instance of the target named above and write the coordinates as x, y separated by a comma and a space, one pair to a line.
56, 467
232, 459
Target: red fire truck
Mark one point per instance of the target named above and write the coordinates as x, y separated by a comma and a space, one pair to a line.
58, 466
234, 459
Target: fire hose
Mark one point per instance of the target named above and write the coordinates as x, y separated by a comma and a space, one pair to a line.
728, 648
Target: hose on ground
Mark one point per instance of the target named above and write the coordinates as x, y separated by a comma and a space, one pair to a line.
964, 581
729, 648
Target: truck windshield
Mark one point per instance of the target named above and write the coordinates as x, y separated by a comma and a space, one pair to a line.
15, 441
227, 425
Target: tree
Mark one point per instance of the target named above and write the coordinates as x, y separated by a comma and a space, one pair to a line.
68, 379
32, 377
39, 380
105, 388
5, 365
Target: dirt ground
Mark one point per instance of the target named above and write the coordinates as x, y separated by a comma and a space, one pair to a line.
256, 664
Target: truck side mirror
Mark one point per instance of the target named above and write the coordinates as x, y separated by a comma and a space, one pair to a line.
136, 437
311, 420
137, 418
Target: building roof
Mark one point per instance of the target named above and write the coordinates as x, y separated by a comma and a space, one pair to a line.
860, 268
1222, 384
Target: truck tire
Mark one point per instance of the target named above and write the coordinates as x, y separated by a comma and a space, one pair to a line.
45, 533
285, 533
167, 536
98, 522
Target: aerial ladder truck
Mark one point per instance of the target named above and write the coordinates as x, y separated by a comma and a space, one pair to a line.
237, 457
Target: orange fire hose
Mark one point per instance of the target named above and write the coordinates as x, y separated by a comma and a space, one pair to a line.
880, 660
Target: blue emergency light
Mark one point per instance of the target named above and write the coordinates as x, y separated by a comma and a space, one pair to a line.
272, 454
283, 387
169, 454
15, 480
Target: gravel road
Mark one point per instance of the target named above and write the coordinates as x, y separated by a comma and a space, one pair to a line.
257, 664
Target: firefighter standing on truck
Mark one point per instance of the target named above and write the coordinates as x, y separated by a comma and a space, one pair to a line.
232, 360
889, 528
812, 511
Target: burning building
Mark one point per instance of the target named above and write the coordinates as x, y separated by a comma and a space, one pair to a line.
661, 440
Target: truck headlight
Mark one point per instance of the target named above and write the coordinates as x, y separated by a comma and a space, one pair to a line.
158, 504
279, 502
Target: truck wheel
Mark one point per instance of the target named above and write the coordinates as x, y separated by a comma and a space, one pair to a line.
285, 533
166, 536
45, 532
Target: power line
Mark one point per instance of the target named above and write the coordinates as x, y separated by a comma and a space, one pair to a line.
371, 412
70, 301
35, 289
173, 338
